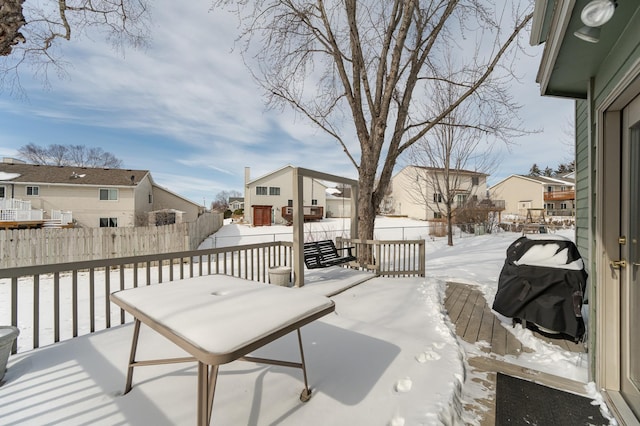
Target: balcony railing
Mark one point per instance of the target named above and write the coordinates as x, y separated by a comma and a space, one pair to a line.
15, 215
14, 204
561, 212
64, 217
559, 195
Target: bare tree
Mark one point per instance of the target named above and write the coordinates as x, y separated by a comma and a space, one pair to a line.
221, 202
373, 64
69, 155
31, 29
451, 160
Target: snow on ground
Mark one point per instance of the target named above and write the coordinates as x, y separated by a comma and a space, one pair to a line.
387, 356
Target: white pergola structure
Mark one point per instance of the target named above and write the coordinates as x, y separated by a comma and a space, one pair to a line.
298, 215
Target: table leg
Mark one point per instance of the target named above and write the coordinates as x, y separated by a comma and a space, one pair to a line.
206, 391
213, 378
132, 356
306, 392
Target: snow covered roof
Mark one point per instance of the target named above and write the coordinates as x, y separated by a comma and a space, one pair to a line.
70, 175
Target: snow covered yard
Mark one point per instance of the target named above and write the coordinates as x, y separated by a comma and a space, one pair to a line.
387, 356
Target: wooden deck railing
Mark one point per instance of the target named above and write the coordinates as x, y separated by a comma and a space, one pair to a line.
559, 195
55, 302
394, 258
72, 299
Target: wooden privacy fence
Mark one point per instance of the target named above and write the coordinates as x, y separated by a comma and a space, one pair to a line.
395, 258
27, 247
72, 299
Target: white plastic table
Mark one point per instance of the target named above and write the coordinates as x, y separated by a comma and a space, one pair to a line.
218, 319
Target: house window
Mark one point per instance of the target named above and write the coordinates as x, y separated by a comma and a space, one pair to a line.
474, 198
437, 215
437, 198
475, 180
314, 202
2, 192
274, 190
461, 199
549, 189
289, 203
549, 206
563, 206
33, 190
108, 222
110, 194
261, 190
150, 198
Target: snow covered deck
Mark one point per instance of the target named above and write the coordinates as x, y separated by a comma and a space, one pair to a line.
365, 366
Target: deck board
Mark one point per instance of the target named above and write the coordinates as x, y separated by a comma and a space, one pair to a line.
475, 322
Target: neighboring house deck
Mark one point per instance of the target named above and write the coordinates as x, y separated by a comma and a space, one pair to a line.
18, 214
310, 213
556, 195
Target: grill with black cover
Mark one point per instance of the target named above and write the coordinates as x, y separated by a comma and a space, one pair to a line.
543, 281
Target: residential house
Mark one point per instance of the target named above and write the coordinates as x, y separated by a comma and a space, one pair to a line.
269, 198
556, 195
236, 203
97, 197
592, 56
415, 191
338, 203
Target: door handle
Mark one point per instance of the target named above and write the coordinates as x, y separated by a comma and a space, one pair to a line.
617, 264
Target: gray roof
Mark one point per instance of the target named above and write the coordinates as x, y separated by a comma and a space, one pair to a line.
69, 175
552, 180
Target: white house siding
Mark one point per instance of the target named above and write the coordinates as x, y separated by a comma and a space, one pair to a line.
406, 193
338, 207
283, 179
519, 194
143, 201
165, 199
83, 201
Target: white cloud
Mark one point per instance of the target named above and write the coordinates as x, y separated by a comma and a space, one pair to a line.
189, 90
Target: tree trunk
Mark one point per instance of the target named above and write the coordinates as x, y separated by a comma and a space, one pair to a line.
366, 207
449, 225
11, 20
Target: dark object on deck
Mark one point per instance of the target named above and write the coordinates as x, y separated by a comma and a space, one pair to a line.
521, 402
543, 281
322, 254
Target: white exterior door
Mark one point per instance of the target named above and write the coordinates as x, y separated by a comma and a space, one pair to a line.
630, 252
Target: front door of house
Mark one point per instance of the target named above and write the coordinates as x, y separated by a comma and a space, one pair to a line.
630, 251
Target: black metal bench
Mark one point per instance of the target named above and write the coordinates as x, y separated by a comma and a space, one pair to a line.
322, 254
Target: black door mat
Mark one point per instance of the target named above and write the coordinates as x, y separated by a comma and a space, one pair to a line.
521, 402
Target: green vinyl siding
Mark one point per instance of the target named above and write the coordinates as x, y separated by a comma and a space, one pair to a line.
583, 176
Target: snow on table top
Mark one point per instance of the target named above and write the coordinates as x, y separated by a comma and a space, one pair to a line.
220, 314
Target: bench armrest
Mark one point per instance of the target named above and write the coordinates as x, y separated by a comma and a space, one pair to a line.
346, 248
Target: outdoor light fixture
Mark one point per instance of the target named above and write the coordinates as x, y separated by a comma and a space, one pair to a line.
590, 34
595, 14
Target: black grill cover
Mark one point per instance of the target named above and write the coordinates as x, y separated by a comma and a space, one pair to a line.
543, 281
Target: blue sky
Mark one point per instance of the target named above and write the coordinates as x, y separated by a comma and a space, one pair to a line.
187, 110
